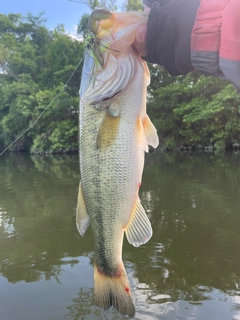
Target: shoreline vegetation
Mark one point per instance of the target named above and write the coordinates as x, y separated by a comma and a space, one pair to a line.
161, 149
192, 112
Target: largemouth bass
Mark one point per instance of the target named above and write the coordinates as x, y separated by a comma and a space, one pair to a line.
114, 134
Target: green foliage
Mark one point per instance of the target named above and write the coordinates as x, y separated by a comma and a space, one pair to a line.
83, 28
134, 5
193, 110
35, 63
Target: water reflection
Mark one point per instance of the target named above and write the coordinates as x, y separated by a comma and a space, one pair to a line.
188, 270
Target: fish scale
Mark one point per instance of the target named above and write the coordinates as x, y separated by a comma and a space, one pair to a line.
114, 134
98, 194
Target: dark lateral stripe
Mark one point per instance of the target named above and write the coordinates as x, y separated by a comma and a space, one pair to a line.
101, 250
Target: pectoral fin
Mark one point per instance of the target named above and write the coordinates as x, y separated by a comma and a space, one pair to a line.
108, 131
150, 132
141, 135
147, 133
82, 218
138, 230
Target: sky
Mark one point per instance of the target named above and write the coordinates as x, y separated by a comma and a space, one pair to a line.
56, 12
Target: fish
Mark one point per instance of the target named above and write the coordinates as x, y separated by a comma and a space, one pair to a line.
114, 134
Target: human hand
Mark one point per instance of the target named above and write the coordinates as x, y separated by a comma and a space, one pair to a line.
140, 41
167, 39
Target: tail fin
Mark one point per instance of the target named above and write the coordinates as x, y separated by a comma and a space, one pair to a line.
113, 291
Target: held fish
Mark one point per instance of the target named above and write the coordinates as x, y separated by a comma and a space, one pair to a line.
114, 134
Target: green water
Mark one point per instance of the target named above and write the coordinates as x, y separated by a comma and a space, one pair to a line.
190, 269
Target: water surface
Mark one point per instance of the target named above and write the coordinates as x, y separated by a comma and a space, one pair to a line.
190, 269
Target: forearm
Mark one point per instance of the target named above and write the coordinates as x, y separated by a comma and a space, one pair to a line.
183, 35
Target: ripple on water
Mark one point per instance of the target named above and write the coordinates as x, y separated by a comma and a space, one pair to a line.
7, 228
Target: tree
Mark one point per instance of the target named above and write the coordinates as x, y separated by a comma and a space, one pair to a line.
134, 5
193, 110
35, 64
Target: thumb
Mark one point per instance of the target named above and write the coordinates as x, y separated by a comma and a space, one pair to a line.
140, 41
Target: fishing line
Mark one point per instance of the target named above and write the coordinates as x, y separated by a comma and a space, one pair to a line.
32, 124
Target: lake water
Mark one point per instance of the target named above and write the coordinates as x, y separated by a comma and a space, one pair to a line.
190, 268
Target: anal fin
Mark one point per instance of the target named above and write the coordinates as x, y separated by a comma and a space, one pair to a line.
138, 230
82, 218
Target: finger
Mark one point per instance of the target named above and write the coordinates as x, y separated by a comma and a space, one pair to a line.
140, 42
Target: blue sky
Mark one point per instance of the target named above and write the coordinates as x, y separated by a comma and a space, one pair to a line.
56, 12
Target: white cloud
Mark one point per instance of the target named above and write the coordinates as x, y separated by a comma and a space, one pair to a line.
73, 34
